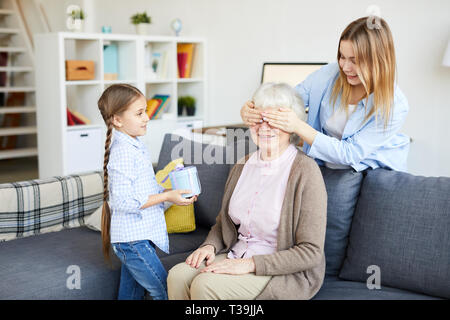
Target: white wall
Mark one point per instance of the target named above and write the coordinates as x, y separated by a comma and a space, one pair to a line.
242, 34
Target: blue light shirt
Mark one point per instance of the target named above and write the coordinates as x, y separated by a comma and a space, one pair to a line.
131, 181
363, 144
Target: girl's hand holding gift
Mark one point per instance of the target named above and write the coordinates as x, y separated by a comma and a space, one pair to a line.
175, 196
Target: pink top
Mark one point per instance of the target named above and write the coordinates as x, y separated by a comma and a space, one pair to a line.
255, 205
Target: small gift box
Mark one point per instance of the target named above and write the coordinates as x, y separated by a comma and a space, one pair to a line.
185, 178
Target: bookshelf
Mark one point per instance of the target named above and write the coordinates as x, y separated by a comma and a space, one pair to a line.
65, 149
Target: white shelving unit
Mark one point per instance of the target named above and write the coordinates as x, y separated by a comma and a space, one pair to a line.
67, 149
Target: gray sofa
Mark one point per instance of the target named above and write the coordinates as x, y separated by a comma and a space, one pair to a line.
383, 227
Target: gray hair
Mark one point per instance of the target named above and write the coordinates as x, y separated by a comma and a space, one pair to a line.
275, 94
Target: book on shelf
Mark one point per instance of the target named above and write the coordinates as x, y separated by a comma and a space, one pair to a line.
76, 118
159, 64
70, 121
181, 60
152, 105
156, 63
156, 106
79, 116
185, 52
165, 102
110, 62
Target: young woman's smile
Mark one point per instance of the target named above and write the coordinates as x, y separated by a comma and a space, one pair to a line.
347, 62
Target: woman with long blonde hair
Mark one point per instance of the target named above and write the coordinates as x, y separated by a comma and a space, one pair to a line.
356, 110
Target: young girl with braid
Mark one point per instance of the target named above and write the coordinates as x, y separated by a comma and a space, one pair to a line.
133, 203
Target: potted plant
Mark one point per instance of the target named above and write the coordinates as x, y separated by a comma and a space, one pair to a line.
76, 16
188, 103
142, 22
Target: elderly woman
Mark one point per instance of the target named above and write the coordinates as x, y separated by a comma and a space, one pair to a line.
269, 235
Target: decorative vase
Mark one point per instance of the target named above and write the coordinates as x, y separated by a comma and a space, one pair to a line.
78, 25
190, 111
142, 28
180, 109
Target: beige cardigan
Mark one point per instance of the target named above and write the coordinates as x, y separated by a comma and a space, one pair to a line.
298, 266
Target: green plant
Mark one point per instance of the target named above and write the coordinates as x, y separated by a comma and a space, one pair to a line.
187, 101
77, 14
141, 18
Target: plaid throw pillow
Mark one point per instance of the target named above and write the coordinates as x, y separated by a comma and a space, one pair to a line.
40, 206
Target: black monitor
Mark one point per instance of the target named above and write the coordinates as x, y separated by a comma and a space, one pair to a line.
291, 73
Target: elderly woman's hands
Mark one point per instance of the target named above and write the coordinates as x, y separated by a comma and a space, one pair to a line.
232, 266
250, 115
197, 257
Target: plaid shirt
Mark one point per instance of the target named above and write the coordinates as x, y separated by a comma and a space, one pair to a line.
131, 181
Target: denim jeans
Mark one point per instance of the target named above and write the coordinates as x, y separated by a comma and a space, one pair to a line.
141, 270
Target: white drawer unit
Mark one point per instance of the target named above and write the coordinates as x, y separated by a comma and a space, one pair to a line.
190, 124
85, 150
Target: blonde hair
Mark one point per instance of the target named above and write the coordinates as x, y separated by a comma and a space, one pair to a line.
273, 94
373, 47
114, 101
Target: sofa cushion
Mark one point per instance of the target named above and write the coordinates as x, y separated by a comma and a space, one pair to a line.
46, 205
36, 267
334, 288
343, 188
402, 225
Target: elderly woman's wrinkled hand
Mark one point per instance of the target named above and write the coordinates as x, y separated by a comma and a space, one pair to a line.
232, 266
284, 119
196, 258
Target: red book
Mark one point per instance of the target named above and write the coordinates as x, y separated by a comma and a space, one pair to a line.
70, 121
182, 63
76, 119
150, 116
157, 108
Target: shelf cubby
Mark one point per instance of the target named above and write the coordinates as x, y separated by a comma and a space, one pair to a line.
121, 56
69, 151
84, 49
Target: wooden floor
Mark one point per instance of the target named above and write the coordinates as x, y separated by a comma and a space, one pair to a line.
20, 169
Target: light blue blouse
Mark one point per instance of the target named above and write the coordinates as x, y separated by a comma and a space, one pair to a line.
364, 144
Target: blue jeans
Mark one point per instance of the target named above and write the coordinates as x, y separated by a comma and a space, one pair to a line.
141, 270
